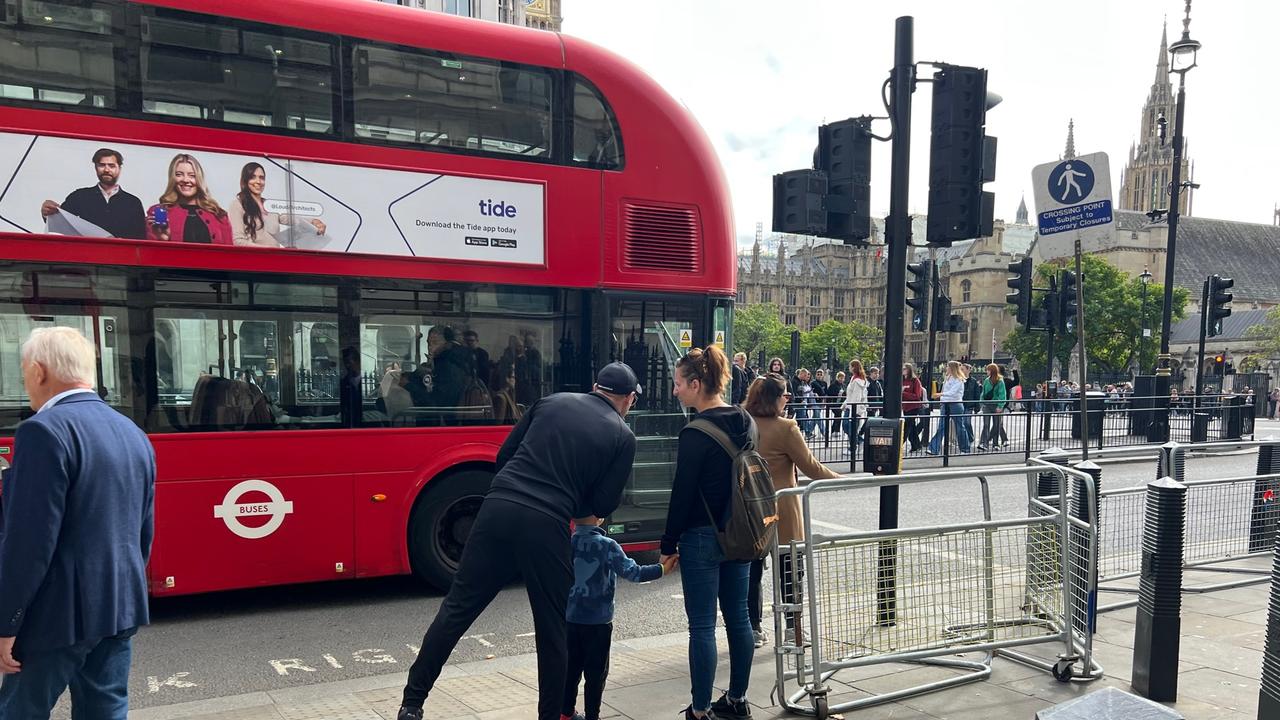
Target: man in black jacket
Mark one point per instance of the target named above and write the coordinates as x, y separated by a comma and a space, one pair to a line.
569, 456
106, 204
875, 392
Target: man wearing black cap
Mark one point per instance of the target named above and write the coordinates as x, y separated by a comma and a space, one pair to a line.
569, 456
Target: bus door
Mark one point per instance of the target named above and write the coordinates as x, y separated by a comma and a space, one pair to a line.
650, 333
254, 488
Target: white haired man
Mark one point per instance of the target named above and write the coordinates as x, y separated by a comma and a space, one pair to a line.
75, 534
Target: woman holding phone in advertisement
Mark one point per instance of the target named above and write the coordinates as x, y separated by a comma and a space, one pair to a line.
187, 211
251, 224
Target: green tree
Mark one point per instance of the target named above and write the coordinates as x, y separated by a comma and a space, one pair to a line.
759, 327
1113, 320
1268, 335
850, 340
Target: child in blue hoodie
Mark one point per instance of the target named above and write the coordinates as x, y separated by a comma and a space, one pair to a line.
598, 560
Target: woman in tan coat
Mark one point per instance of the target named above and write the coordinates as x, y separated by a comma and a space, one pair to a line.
783, 447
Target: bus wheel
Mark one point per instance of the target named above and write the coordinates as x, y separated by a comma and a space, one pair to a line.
441, 522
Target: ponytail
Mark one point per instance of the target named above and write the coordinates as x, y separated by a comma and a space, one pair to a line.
709, 366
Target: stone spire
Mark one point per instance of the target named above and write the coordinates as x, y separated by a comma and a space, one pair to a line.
782, 257
755, 255
1162, 62
1144, 183
1022, 212
1070, 151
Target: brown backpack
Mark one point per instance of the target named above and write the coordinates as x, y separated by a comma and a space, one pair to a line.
752, 524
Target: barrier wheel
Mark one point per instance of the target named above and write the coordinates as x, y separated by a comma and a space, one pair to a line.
1063, 670
820, 707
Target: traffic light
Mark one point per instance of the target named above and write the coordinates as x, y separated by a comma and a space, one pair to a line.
1067, 302
961, 156
918, 276
1219, 299
1020, 298
797, 202
844, 154
1219, 364
942, 314
955, 324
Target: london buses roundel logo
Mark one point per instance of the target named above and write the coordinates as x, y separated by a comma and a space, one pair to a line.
233, 510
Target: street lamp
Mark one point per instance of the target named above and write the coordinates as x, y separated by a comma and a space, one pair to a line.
1145, 277
1183, 54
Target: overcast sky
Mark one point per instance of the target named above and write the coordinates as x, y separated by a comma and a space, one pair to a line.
760, 76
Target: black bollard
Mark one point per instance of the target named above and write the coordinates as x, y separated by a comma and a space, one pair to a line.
1269, 691
1264, 511
1157, 633
1087, 594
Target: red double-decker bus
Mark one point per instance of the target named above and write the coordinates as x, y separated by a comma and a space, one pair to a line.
329, 252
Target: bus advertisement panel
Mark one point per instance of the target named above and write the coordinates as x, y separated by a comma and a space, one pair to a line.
303, 204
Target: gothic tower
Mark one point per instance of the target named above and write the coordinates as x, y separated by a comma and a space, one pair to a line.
1144, 185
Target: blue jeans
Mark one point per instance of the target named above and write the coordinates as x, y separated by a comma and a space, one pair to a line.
96, 671
952, 412
706, 576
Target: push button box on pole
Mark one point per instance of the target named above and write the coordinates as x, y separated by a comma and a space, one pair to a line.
882, 448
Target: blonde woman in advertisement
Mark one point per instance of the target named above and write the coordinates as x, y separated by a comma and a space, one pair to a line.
251, 223
187, 211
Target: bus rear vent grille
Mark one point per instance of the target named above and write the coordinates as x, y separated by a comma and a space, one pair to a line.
660, 238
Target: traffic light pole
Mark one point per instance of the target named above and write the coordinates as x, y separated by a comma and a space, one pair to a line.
1204, 329
933, 326
898, 238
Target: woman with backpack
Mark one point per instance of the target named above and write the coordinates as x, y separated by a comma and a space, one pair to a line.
784, 450
698, 513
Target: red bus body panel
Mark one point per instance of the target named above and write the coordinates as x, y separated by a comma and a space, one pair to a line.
336, 528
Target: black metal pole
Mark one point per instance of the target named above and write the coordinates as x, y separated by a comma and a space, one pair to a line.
1157, 630
1165, 368
1142, 330
1204, 328
931, 321
1080, 353
898, 238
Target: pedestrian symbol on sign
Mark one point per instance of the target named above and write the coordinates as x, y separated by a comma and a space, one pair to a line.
1071, 181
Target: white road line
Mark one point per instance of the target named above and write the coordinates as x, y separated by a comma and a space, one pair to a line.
833, 526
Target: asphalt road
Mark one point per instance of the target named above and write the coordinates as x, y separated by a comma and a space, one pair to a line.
237, 642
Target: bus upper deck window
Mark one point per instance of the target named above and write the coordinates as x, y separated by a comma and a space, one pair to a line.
596, 141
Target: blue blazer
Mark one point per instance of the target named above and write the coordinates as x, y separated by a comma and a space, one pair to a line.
76, 526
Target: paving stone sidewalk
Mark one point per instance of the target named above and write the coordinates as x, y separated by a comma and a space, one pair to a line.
1221, 658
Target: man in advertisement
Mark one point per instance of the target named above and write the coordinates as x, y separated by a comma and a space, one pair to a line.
106, 204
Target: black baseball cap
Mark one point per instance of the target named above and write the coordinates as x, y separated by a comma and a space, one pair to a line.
618, 379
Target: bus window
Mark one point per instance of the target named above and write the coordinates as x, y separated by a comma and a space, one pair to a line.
245, 355
413, 96
58, 51
209, 68
475, 354
596, 142
89, 300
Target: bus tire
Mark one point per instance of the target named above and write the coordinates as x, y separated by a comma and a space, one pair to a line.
441, 522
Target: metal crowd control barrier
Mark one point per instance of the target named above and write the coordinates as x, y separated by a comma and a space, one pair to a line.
1228, 520
920, 593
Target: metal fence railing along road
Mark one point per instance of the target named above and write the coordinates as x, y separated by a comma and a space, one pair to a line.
849, 599
1027, 427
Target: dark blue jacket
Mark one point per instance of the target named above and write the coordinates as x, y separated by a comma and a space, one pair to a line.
75, 526
598, 560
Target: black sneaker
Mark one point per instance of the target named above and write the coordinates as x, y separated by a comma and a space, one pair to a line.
688, 714
727, 709
409, 713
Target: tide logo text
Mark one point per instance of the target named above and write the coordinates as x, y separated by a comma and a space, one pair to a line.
489, 208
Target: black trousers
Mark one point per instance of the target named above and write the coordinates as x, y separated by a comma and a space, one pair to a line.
755, 610
588, 657
508, 541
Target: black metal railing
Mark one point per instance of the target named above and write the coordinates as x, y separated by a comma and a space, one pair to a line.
1026, 426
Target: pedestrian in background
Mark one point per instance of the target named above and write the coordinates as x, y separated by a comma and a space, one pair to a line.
569, 456
78, 509
784, 450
